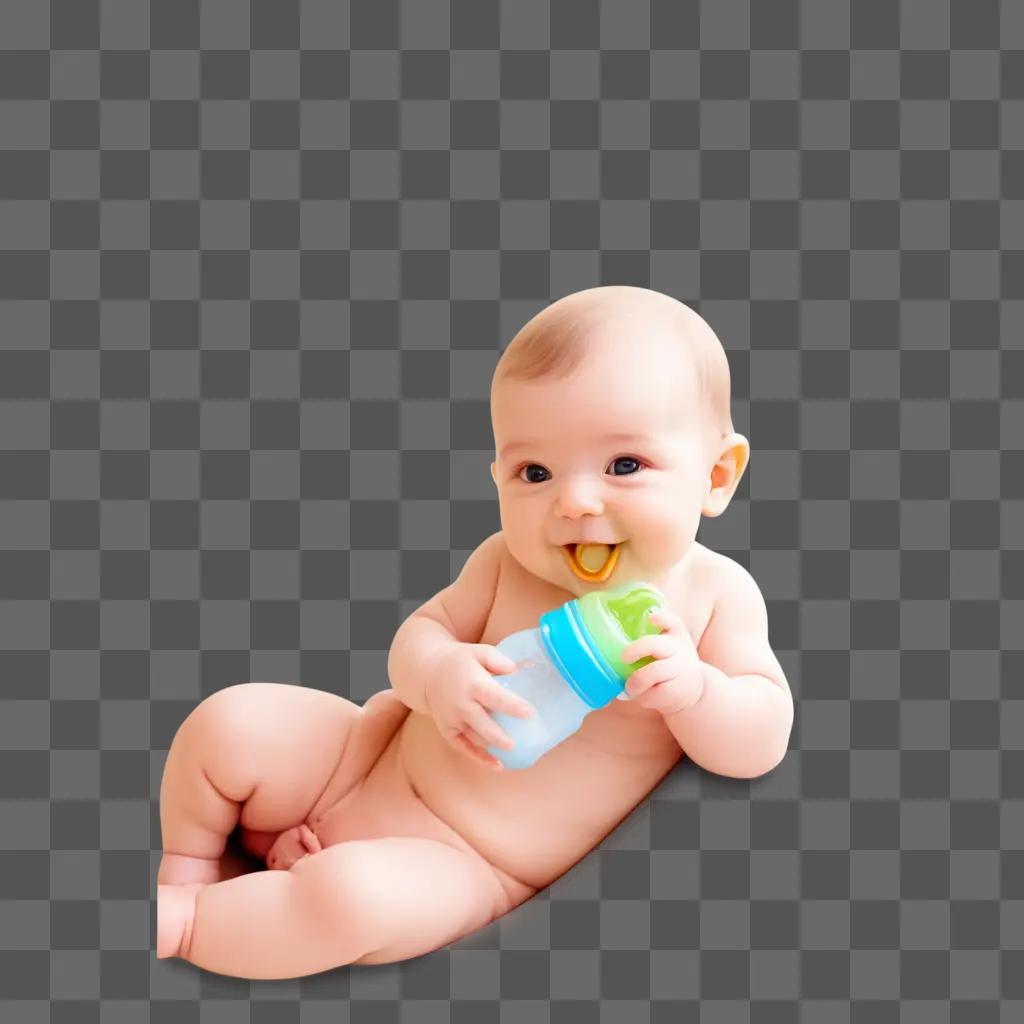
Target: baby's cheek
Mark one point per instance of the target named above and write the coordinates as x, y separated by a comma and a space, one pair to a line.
524, 547
662, 543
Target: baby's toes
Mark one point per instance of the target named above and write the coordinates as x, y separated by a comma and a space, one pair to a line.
280, 855
310, 842
291, 846
280, 859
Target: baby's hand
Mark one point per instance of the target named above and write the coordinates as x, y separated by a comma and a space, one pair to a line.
291, 846
459, 691
675, 679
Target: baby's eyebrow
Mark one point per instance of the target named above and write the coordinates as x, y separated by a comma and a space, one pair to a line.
630, 438
511, 448
621, 438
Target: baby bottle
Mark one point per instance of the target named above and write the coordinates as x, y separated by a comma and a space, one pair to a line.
569, 666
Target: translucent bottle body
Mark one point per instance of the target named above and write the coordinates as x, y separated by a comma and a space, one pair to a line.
558, 711
571, 665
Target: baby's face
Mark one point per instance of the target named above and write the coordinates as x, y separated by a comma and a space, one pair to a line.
616, 454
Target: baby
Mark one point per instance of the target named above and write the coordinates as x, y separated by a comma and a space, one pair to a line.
390, 828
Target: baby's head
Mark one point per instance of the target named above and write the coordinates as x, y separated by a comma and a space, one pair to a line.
612, 425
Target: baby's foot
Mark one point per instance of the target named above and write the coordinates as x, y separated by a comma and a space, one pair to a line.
291, 846
175, 914
178, 869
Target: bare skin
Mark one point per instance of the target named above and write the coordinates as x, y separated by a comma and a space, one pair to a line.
392, 837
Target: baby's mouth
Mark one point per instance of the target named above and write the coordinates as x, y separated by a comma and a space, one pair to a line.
592, 563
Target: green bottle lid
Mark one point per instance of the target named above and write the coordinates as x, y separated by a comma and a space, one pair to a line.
618, 616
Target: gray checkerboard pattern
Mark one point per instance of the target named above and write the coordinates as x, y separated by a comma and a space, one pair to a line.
257, 261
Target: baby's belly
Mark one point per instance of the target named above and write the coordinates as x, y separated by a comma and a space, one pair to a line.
384, 804
379, 805
535, 824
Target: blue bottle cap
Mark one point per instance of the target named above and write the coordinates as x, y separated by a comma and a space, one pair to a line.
575, 655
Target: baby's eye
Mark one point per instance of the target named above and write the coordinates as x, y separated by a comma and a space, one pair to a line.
626, 465
534, 474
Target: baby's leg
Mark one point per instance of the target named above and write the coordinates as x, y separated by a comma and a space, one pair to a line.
362, 901
260, 751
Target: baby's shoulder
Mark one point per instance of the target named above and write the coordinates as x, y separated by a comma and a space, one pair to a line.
705, 570
719, 574
736, 599
711, 579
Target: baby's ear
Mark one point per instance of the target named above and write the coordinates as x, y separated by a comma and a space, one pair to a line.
734, 454
494, 474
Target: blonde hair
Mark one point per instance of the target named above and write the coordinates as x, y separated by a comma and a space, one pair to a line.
554, 343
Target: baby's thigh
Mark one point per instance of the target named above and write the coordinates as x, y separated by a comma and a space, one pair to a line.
270, 746
393, 898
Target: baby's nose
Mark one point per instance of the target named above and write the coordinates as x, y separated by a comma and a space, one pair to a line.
578, 499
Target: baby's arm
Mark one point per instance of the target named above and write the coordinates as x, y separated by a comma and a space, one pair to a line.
438, 666
741, 725
453, 616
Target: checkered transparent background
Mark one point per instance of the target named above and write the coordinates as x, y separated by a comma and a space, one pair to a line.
257, 261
